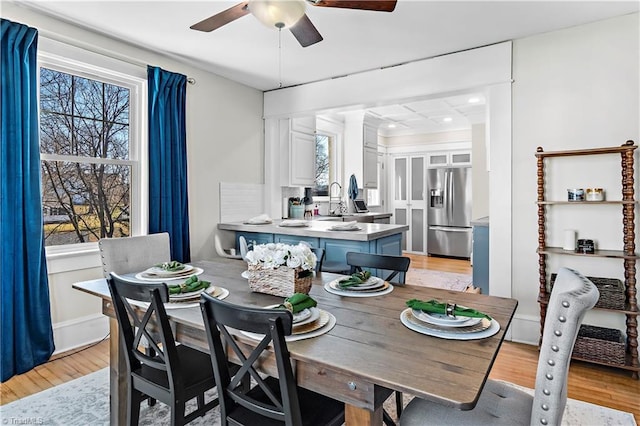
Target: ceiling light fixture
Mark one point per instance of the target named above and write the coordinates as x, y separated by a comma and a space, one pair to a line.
277, 13
474, 100
391, 126
447, 119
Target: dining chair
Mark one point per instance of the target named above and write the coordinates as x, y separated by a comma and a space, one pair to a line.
502, 404
220, 251
173, 374
386, 267
319, 258
395, 266
133, 254
273, 400
244, 247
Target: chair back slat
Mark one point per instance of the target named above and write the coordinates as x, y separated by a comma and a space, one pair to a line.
394, 265
219, 316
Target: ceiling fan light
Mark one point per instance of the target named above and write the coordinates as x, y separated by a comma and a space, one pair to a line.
277, 13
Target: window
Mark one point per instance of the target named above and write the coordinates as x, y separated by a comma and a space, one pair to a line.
323, 165
89, 155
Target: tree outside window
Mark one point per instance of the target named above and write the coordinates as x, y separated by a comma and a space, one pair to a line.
323, 165
85, 150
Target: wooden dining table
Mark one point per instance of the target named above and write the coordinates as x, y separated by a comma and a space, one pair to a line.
366, 356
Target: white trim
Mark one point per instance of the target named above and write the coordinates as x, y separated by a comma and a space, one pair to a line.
68, 335
526, 328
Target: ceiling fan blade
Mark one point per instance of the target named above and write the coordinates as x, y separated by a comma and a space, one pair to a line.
216, 21
376, 5
305, 32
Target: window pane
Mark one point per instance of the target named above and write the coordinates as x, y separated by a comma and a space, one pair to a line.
85, 202
322, 165
83, 117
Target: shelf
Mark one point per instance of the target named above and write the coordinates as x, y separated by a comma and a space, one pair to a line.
626, 311
591, 203
614, 254
593, 151
626, 366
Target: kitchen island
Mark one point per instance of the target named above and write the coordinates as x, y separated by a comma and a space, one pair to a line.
379, 238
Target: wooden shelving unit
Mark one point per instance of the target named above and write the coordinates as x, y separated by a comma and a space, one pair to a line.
628, 255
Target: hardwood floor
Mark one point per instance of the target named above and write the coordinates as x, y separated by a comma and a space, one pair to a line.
515, 363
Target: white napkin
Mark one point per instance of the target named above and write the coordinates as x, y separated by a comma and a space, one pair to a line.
345, 225
293, 222
263, 218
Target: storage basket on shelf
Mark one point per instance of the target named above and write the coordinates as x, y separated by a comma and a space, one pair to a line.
281, 269
600, 344
612, 295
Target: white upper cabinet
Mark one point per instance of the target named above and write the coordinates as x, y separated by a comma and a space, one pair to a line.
449, 159
298, 139
370, 136
369, 154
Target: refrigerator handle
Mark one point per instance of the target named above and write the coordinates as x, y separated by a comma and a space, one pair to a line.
451, 201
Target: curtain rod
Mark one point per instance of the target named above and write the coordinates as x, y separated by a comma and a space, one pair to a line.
98, 50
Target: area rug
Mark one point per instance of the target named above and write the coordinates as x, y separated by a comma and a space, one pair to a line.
438, 279
85, 402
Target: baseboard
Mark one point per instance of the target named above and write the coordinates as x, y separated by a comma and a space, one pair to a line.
68, 335
525, 329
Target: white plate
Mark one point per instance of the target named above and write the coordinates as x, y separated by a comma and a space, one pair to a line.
443, 320
351, 228
195, 271
493, 329
313, 314
372, 282
328, 287
190, 295
296, 224
294, 337
158, 272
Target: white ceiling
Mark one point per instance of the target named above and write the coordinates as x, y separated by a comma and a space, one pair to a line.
354, 40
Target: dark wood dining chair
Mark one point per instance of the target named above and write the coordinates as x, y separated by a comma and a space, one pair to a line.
501, 404
174, 374
272, 401
388, 268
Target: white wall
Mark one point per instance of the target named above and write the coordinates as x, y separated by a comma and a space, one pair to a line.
479, 172
224, 143
575, 88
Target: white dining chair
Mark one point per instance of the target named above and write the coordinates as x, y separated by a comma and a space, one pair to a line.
502, 404
244, 247
133, 254
221, 252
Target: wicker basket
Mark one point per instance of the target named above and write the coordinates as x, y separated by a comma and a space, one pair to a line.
612, 295
282, 281
600, 344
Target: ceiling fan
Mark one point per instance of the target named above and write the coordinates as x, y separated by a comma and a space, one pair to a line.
288, 14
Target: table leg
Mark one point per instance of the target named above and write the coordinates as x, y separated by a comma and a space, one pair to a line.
361, 416
117, 377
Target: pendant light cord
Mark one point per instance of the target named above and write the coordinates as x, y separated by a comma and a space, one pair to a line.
280, 57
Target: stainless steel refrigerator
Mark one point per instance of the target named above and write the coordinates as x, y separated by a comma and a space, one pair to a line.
449, 212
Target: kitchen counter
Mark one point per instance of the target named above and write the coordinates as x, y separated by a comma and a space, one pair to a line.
320, 229
482, 221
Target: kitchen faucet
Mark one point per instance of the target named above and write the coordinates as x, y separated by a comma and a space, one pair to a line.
332, 198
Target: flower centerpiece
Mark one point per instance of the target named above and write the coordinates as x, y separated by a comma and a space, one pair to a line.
281, 269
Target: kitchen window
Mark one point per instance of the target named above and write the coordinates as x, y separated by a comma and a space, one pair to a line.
324, 175
90, 153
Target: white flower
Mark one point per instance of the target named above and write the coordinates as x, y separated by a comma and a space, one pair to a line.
273, 255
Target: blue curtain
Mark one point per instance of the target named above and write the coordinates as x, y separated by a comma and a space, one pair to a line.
27, 335
168, 200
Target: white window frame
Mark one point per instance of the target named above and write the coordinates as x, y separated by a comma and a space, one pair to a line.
69, 59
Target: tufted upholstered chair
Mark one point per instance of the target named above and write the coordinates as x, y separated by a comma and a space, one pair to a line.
133, 254
501, 404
